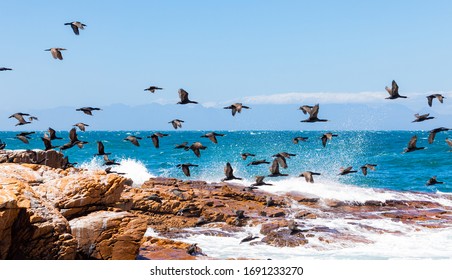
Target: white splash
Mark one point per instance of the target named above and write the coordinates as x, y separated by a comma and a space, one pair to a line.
133, 169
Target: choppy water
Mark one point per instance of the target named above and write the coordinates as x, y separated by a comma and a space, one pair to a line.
395, 170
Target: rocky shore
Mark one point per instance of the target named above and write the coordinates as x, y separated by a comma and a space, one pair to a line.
48, 211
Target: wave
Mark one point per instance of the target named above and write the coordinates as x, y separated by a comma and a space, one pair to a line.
344, 192
133, 169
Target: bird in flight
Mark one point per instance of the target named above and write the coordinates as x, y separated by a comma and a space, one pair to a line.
345, 171
81, 126
433, 96
327, 136
212, 136
56, 52
152, 89
412, 145
313, 112
394, 91
183, 96
133, 139
236, 108
229, 172
76, 25
308, 176
176, 123
20, 118
155, 138
5, 69
421, 118
431, 136
88, 110
186, 168
367, 166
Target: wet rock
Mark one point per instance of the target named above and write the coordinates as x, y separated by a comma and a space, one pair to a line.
49, 158
285, 238
166, 249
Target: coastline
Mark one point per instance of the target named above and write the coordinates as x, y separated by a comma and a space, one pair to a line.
88, 214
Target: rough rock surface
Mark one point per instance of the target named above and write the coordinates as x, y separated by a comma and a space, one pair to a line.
49, 158
108, 235
54, 213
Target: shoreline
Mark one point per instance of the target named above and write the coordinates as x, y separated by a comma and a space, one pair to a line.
64, 208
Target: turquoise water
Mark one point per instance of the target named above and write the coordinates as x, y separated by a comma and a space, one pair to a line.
395, 170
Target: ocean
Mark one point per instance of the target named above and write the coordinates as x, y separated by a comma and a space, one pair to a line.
395, 170
397, 175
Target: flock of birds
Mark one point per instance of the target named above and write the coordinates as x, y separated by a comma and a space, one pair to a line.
279, 158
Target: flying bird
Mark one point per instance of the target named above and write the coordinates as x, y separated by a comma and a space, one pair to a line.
246, 155
433, 181
5, 69
2, 145
249, 238
186, 168
431, 136
229, 172
212, 136
394, 91
421, 118
81, 126
108, 161
176, 123
52, 134
23, 138
345, 171
153, 88
313, 112
299, 138
182, 146
183, 95
260, 182
236, 108
367, 166
412, 145
47, 143
76, 25
274, 169
109, 171
195, 147
88, 110
155, 138
308, 176
257, 162
432, 96
101, 149
449, 142
20, 118
56, 53
327, 136
133, 139
281, 158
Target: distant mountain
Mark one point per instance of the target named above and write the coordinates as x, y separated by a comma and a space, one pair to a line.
260, 117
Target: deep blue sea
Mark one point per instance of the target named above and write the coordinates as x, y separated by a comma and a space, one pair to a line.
395, 170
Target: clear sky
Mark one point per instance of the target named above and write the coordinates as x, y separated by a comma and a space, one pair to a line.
223, 51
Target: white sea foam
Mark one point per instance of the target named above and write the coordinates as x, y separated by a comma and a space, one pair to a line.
344, 192
408, 243
133, 169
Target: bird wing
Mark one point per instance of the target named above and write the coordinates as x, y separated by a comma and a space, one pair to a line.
431, 137
395, 88
347, 169
52, 133
274, 168
47, 143
134, 141
413, 140
364, 170
212, 138
186, 170
23, 139
449, 142
324, 139
314, 112
74, 28
100, 148
183, 95
73, 135
228, 171
155, 140
260, 179
58, 54
440, 98
430, 100
308, 177
282, 162
306, 109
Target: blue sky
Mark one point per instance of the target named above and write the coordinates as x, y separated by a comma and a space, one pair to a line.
261, 52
